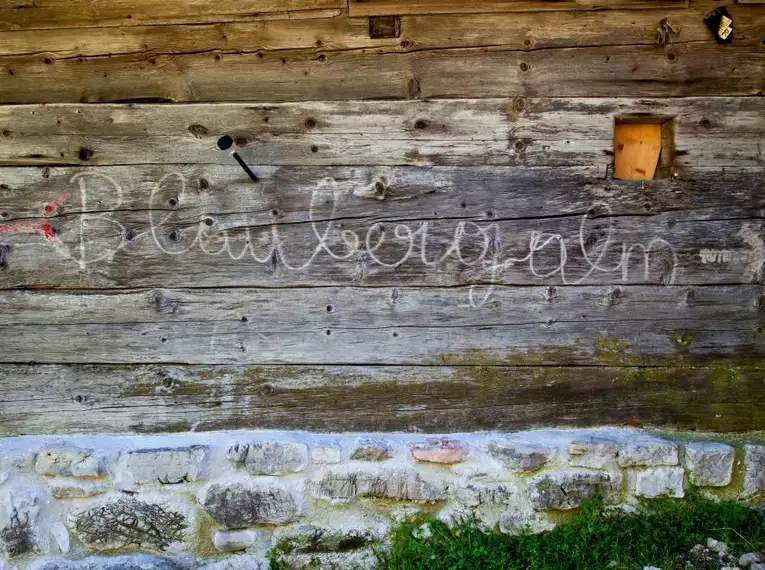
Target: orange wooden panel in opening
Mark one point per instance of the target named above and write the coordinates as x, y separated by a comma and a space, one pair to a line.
637, 148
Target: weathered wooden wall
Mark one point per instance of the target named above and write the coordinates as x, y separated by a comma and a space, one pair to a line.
435, 241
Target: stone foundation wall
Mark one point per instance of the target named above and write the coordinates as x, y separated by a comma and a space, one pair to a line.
221, 501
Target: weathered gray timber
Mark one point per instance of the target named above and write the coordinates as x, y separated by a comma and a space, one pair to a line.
148, 399
190, 227
435, 241
709, 132
681, 70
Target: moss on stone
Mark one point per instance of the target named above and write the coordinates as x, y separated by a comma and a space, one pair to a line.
200, 538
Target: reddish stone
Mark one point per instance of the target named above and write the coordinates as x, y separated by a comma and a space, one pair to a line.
441, 450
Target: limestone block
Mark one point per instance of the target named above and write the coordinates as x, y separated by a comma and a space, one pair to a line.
441, 450
163, 465
754, 474
660, 482
69, 461
392, 483
520, 457
276, 458
240, 504
475, 494
593, 451
103, 525
568, 488
367, 449
709, 464
19, 514
647, 454
76, 489
233, 541
309, 538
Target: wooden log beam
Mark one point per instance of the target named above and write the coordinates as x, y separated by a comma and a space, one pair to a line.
679, 70
150, 399
149, 226
521, 31
82, 13
714, 131
384, 308
633, 326
393, 7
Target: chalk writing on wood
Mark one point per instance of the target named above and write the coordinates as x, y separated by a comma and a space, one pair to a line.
99, 235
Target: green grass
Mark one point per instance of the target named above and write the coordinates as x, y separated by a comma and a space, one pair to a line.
659, 534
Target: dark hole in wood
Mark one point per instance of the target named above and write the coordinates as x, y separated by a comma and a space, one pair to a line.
225, 142
381, 27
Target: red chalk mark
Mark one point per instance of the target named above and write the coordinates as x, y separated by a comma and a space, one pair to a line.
56, 204
19, 227
33, 227
47, 230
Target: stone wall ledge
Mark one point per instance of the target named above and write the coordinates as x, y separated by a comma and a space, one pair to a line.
221, 501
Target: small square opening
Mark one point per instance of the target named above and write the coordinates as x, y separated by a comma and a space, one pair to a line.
644, 147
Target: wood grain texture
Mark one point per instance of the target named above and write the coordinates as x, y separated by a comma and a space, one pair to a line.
522, 326
385, 308
42, 14
151, 399
602, 71
397, 7
521, 31
709, 131
192, 226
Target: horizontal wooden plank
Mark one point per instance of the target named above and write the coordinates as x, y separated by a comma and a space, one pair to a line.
599, 71
330, 307
640, 342
713, 131
81, 13
396, 7
151, 399
193, 226
523, 31
477, 325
